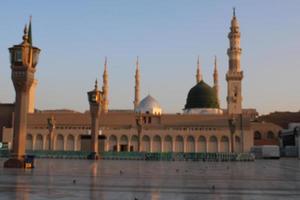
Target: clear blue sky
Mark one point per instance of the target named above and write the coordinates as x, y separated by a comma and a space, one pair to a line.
168, 35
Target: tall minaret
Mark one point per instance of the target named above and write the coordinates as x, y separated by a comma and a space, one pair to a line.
137, 85
234, 75
105, 88
216, 80
199, 74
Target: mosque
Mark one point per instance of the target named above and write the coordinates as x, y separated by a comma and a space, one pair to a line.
202, 126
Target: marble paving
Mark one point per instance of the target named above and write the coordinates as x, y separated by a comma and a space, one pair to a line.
152, 180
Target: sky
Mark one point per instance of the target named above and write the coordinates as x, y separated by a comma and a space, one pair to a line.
75, 37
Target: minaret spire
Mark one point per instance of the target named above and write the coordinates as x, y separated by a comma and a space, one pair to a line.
137, 85
233, 9
96, 85
199, 74
216, 80
105, 88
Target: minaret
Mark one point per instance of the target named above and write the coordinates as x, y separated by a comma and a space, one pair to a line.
234, 75
105, 88
137, 85
216, 80
199, 74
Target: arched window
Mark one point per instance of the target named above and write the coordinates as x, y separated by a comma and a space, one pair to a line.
224, 144
39, 142
201, 144
156, 144
29, 142
168, 147
190, 144
270, 135
257, 135
213, 144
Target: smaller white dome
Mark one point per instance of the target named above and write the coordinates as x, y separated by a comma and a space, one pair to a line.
149, 105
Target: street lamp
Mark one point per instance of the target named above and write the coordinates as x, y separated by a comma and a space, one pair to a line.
51, 127
139, 127
232, 128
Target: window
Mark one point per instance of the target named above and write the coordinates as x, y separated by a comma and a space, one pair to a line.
257, 135
270, 135
19, 55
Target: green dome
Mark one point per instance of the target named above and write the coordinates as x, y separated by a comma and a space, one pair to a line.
201, 96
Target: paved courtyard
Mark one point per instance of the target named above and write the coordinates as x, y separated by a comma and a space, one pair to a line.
143, 180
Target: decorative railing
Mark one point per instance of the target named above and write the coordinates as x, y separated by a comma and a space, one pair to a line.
162, 156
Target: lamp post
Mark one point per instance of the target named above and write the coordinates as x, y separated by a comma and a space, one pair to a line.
23, 59
94, 98
139, 127
297, 136
232, 128
51, 127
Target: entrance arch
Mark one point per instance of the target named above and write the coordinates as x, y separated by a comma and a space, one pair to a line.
70, 143
59, 144
156, 144
112, 143
202, 144
39, 142
168, 144
146, 143
179, 145
190, 144
224, 146
213, 144
29, 142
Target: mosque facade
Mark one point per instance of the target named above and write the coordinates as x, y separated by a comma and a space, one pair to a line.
202, 126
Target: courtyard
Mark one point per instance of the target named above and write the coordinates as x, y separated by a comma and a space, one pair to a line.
156, 180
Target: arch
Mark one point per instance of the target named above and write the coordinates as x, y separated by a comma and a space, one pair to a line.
257, 135
145, 143
156, 144
168, 144
29, 142
39, 142
238, 147
123, 143
190, 144
59, 144
112, 143
70, 143
213, 144
179, 145
202, 146
224, 146
134, 142
270, 135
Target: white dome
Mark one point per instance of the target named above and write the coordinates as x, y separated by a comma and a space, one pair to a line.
149, 105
